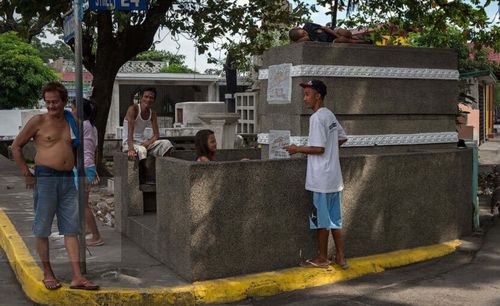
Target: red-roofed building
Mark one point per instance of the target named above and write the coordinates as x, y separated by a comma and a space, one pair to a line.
494, 57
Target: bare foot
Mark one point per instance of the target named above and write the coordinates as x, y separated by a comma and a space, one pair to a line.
51, 283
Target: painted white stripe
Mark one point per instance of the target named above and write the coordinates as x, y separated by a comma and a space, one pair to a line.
380, 140
367, 72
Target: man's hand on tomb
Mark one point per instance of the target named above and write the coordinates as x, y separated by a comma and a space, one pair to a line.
291, 149
131, 153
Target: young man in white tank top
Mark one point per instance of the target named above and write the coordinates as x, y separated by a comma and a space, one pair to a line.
137, 119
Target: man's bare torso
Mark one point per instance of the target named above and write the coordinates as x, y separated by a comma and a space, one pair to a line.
53, 143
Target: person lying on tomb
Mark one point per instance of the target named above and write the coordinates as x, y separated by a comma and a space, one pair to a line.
316, 32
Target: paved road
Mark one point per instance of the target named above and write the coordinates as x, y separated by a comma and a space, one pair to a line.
11, 293
467, 277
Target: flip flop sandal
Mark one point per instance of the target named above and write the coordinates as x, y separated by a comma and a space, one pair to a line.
85, 285
311, 264
344, 266
51, 284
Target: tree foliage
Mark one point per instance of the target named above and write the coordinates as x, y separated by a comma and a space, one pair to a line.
22, 72
177, 68
111, 38
52, 51
174, 62
338, 6
470, 57
432, 18
30, 18
161, 56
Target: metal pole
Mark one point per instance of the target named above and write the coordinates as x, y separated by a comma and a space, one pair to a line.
231, 83
475, 199
79, 106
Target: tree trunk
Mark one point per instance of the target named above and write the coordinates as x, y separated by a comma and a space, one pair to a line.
335, 8
104, 77
114, 50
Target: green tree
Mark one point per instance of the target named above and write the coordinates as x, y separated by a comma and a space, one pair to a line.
431, 17
177, 68
470, 57
29, 18
111, 38
338, 6
52, 51
22, 72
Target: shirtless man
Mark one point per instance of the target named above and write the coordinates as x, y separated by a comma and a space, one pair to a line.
54, 191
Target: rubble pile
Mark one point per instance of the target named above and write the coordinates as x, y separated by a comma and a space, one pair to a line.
102, 204
486, 183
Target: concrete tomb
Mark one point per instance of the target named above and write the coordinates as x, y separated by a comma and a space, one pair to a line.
406, 183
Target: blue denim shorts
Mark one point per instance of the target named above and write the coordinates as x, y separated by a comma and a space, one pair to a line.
327, 211
55, 194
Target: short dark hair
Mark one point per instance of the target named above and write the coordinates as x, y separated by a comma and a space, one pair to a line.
151, 89
89, 110
201, 144
294, 34
317, 85
56, 86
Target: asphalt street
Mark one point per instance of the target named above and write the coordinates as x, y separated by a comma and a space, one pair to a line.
471, 276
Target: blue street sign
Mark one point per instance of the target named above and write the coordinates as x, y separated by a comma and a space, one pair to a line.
118, 5
69, 27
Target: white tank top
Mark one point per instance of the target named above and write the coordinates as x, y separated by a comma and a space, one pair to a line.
139, 126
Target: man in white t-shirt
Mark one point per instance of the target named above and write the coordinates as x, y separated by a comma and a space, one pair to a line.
324, 176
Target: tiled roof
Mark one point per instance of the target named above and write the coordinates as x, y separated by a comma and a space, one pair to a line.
63, 65
142, 67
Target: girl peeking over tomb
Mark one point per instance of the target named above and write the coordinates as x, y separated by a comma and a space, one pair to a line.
205, 145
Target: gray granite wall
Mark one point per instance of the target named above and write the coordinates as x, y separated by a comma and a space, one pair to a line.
229, 218
366, 106
221, 155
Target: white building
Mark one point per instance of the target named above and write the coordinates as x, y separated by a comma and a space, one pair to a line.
171, 89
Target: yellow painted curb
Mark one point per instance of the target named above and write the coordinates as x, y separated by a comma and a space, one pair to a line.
224, 290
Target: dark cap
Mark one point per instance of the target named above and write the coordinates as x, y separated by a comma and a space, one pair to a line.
317, 85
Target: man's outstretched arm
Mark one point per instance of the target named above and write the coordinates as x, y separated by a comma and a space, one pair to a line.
293, 149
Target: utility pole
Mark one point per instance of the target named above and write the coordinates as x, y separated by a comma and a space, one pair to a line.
231, 82
77, 14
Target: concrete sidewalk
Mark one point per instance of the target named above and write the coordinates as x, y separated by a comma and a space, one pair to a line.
119, 262
129, 276
489, 152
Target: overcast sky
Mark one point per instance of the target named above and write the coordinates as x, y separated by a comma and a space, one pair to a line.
199, 62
